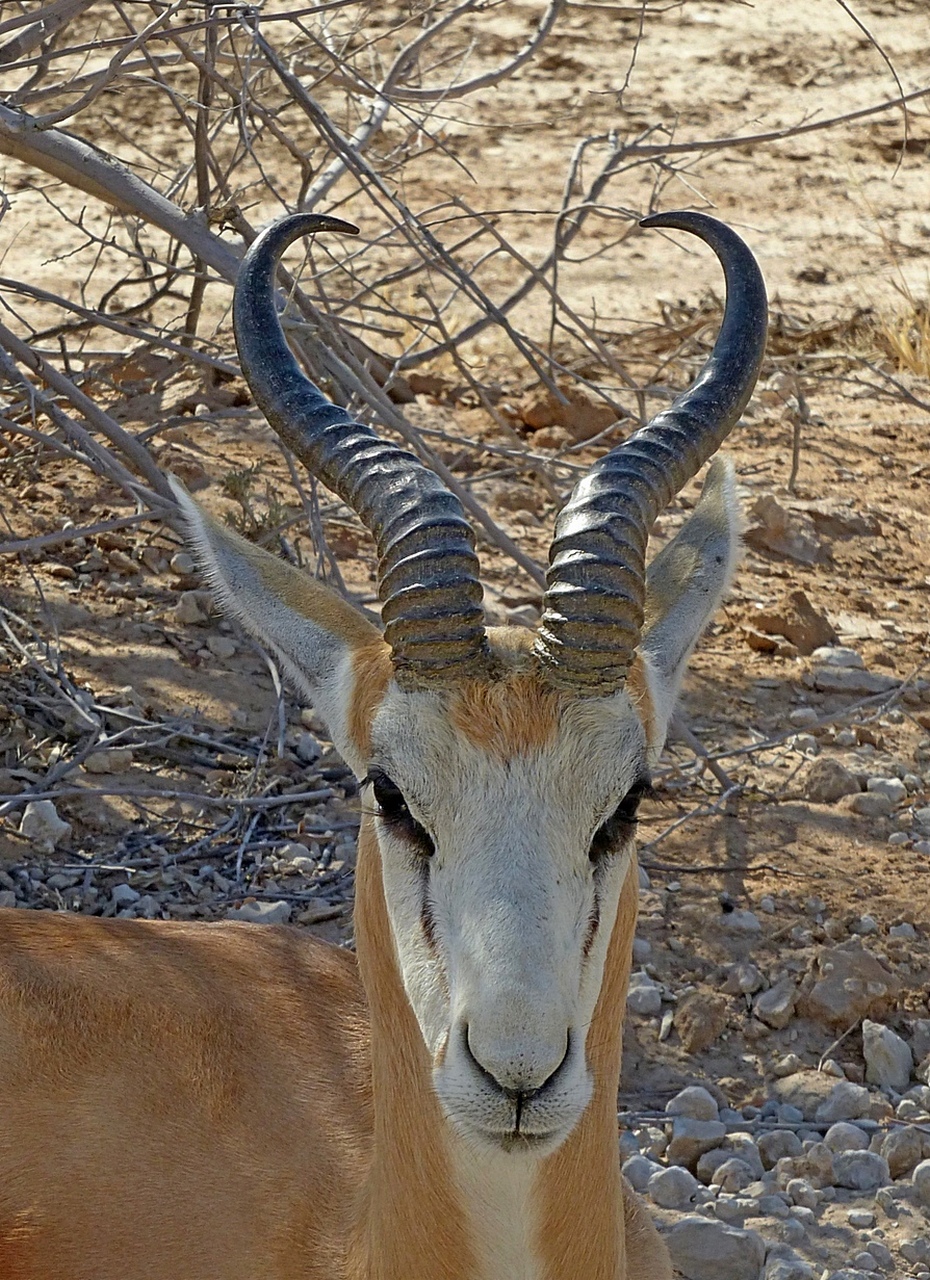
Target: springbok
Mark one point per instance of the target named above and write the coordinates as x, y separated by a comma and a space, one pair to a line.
235, 1102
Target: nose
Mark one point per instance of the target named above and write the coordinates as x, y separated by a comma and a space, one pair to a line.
519, 1069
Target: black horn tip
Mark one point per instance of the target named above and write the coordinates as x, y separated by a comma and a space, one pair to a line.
310, 223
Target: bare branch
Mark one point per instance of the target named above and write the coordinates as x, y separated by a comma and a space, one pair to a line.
43, 25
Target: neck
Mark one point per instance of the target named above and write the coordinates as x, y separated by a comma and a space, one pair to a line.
434, 1207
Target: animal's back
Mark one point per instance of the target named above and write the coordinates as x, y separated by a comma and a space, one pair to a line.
180, 1102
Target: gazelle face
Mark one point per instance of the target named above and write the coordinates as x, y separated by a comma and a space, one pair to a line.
505, 820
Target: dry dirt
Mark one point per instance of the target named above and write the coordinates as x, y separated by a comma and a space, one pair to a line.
840, 222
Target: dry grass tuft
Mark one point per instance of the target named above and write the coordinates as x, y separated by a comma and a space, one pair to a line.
906, 338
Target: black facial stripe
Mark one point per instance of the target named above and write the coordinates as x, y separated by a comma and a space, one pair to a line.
394, 812
621, 825
594, 920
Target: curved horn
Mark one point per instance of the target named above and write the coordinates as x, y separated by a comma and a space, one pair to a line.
593, 608
428, 567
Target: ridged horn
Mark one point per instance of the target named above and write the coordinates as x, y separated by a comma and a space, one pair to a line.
595, 585
428, 567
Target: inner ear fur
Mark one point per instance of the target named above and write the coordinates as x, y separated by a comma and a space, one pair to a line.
314, 633
686, 581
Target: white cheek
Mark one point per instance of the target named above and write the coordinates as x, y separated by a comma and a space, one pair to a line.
421, 969
593, 974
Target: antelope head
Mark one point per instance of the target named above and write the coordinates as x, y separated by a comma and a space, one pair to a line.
503, 768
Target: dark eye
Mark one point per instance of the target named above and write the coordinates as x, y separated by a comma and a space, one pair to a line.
393, 811
621, 825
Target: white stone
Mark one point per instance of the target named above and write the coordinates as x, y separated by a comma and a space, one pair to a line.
644, 996
672, 1188
124, 895
881, 1254
222, 647
788, 1269
903, 930
42, 826
893, 788
788, 1065
705, 1250
803, 717
778, 1144
691, 1138
800, 1192
844, 1136
903, 1148
888, 1059
695, 1102
864, 925
828, 781
742, 921
862, 1219
922, 1183
845, 1101
733, 1175
743, 1146
182, 564
838, 656
637, 1170
261, 912
193, 607
775, 1007
860, 1170
871, 804
852, 681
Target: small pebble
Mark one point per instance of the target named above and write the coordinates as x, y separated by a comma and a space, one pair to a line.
124, 895
261, 912
182, 564
903, 930
222, 647
892, 788
644, 996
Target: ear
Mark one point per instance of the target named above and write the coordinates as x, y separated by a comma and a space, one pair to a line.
684, 585
322, 642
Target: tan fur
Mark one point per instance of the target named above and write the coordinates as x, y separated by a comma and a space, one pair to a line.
637, 688
305, 595
170, 1113
581, 1182
512, 716
371, 675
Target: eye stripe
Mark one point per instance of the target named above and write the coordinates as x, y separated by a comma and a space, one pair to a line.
394, 812
621, 825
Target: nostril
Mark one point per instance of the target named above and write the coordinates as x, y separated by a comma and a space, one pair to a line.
518, 1073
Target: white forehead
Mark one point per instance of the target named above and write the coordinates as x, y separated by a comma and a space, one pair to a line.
581, 763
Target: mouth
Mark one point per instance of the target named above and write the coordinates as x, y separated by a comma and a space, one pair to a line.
528, 1142
518, 1141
